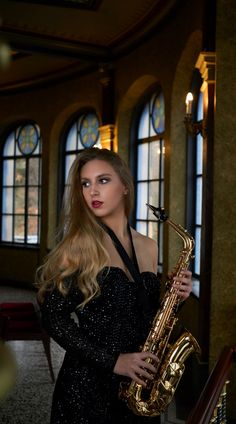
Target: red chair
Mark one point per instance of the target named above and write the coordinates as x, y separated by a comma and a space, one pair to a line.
20, 321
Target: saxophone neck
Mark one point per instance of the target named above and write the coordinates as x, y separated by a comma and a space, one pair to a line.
181, 231
188, 240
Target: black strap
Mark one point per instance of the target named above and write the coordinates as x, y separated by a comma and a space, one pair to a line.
132, 266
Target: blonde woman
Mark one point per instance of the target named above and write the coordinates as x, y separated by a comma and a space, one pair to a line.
106, 273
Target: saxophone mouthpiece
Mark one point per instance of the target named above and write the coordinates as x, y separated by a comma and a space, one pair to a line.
158, 212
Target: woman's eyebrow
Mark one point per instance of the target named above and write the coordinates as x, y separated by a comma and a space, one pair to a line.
98, 176
104, 175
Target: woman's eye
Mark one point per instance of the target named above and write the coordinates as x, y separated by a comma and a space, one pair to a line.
104, 180
85, 184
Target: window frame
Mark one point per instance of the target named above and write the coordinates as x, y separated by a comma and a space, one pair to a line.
133, 158
191, 187
14, 130
207, 181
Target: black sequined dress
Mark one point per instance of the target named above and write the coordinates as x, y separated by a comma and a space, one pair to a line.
118, 321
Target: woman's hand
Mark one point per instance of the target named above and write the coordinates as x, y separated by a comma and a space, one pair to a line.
183, 284
135, 366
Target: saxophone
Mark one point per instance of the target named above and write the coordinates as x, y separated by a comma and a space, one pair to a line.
156, 396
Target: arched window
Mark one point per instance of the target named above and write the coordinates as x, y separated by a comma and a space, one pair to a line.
198, 182
21, 186
81, 134
149, 159
195, 184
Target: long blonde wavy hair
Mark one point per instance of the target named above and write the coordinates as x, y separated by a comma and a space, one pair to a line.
80, 251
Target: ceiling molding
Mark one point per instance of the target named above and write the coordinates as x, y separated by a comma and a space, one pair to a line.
61, 42
46, 79
41, 43
77, 4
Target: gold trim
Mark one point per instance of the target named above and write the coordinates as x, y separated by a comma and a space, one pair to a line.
206, 63
107, 133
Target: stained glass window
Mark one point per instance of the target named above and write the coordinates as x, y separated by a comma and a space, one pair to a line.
21, 186
81, 134
150, 152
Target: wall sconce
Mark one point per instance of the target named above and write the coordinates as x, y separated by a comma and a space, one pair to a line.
193, 127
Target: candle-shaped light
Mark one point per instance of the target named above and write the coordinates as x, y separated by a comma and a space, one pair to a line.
189, 101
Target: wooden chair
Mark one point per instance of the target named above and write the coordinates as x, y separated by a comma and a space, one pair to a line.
20, 321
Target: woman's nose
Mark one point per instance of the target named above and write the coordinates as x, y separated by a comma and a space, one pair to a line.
93, 189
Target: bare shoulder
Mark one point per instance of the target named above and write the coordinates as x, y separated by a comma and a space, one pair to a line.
145, 246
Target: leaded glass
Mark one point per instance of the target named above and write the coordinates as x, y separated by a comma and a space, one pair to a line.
198, 191
142, 196
69, 159
8, 172
7, 200
21, 184
32, 229
33, 201
28, 138
199, 154
155, 156
153, 197
199, 201
19, 200
150, 165
9, 146
143, 161
158, 114
83, 133
7, 228
20, 168
34, 167
144, 123
89, 131
197, 251
71, 139
19, 229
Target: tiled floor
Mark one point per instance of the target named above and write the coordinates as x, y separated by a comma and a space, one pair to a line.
29, 400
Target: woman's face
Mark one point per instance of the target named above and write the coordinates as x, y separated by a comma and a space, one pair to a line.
102, 189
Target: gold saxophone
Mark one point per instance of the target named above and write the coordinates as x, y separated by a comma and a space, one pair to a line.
153, 400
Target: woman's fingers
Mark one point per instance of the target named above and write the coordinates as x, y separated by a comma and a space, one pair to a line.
138, 380
137, 366
183, 284
144, 369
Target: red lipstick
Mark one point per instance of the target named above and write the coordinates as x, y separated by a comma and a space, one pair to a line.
96, 204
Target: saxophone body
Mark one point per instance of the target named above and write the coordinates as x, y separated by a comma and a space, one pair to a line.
154, 399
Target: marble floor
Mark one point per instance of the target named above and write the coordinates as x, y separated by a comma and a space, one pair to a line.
29, 400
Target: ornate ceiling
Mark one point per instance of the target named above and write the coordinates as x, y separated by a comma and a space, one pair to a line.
51, 39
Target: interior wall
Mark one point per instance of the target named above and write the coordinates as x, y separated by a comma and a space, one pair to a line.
223, 317
126, 111
178, 152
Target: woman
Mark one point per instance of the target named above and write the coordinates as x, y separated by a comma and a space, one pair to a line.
105, 272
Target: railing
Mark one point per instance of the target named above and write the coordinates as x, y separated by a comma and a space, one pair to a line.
211, 405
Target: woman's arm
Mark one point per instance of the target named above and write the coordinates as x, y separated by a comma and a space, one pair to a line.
56, 319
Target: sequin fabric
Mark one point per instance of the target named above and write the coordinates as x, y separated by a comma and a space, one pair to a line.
117, 321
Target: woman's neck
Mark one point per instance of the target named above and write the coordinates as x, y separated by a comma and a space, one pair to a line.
119, 227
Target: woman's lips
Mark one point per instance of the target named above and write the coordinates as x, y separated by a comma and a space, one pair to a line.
96, 204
